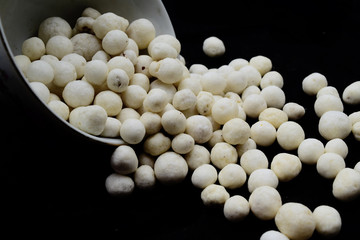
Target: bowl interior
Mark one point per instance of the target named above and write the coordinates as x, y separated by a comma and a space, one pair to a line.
20, 19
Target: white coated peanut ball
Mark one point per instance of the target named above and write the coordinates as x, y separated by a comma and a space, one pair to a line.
346, 185
182, 143
213, 47
200, 128
236, 131
119, 185
232, 176
142, 31
265, 202
90, 119
132, 131
78, 93
34, 48
328, 221
115, 42
157, 144
337, 145
313, 83
329, 165
263, 133
144, 177
41, 91
198, 156
261, 63
252, 160
204, 176
223, 154
224, 109
110, 101
334, 124
290, 135
273, 235
124, 160
236, 208
310, 150
59, 46
39, 71
351, 93
262, 177
214, 194
170, 168
286, 166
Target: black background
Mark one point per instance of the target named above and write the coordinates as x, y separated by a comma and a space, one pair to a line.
53, 184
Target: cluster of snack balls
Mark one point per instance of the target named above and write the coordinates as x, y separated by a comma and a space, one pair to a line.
112, 78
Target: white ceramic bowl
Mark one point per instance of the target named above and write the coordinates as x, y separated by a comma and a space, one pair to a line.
20, 19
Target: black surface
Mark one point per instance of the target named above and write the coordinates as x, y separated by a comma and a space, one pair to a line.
52, 184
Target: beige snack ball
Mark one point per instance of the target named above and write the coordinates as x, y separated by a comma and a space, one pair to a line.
296, 221
262, 177
166, 38
310, 150
204, 176
273, 235
338, 146
252, 75
354, 117
127, 113
142, 31
64, 72
156, 100
274, 116
356, 131
327, 103
22, 62
290, 135
39, 71
184, 99
133, 96
346, 185
124, 160
213, 82
224, 109
157, 144
167, 70
115, 42
112, 128
223, 154
151, 121
351, 93
263, 133
274, 96
161, 50
59, 46
78, 93
334, 124
140, 79
232, 176
254, 104
78, 61
213, 47
265, 202
236, 82
261, 63
107, 22
236, 131
132, 131
182, 143
54, 26
34, 48
286, 166
50, 59
329, 165
198, 156
110, 101
328, 221
169, 89
329, 90
90, 119
41, 91
117, 80
119, 185
216, 138
204, 102
252, 160
142, 65
236, 208
200, 128
272, 78
86, 45
193, 82
238, 63
313, 83
173, 122
242, 148
170, 168
294, 110
144, 177
198, 68
59, 108
214, 194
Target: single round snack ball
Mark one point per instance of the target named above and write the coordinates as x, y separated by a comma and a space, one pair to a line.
261, 63
272, 78
273, 235
236, 208
151, 121
235, 82
232, 176
110, 101
313, 83
34, 48
78, 93
294, 110
127, 113
22, 62
204, 102
286, 166
252, 160
346, 185
107, 22
295, 220
264, 202
263, 133
198, 156
119, 185
184, 99
142, 31
124, 160
326, 103
96, 72
157, 144
213, 82
166, 38
334, 124
204, 176
170, 168
144, 177
39, 71
223, 154
86, 45
328, 221
167, 70
117, 80
53, 26
41, 91
64, 72
274, 116
200, 128
115, 42
90, 119
173, 122
351, 93
274, 96
242, 148
254, 104
329, 165
213, 47
329, 90
214, 194
310, 150
182, 143
262, 177
112, 128
236, 131
132, 131
290, 135
78, 61
60, 108
337, 145
224, 110
156, 100
59, 46
133, 96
